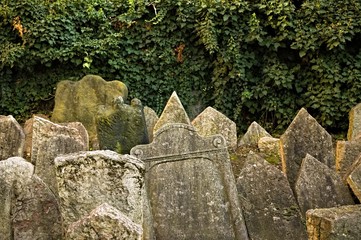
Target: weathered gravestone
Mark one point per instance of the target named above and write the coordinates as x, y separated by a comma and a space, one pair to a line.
269, 149
12, 138
28, 208
318, 186
254, 133
123, 128
304, 136
269, 207
354, 127
339, 223
347, 153
88, 179
81, 101
354, 180
189, 183
104, 222
211, 122
51, 140
151, 118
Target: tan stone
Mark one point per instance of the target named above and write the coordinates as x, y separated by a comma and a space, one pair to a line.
354, 127
269, 149
12, 138
253, 134
347, 153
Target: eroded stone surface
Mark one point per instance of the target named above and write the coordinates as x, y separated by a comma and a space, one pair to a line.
269, 149
354, 180
254, 133
12, 138
347, 153
151, 118
354, 127
269, 207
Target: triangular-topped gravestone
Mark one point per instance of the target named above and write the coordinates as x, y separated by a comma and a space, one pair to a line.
304, 136
12, 138
347, 152
189, 184
253, 134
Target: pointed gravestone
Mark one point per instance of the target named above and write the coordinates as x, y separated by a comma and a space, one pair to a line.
318, 186
354, 127
12, 138
189, 183
304, 136
151, 118
354, 181
269, 207
211, 122
105, 222
28, 208
347, 153
253, 134
51, 140
339, 223
269, 149
88, 179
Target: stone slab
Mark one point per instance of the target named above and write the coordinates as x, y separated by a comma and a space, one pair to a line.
12, 138
254, 133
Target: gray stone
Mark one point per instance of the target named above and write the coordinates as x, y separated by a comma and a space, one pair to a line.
269, 149
354, 181
123, 128
88, 179
105, 222
354, 127
269, 207
28, 208
151, 118
304, 136
211, 122
347, 153
51, 140
12, 138
339, 223
253, 134
318, 186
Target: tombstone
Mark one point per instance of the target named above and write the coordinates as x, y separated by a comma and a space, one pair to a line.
304, 136
254, 133
354, 181
211, 122
105, 222
28, 208
12, 138
88, 179
269, 149
123, 128
51, 140
318, 186
82, 101
269, 207
191, 192
347, 153
151, 118
354, 127
338, 223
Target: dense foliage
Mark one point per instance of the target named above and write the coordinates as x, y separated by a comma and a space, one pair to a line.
259, 60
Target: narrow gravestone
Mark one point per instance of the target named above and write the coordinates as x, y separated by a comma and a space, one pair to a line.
253, 134
354, 181
189, 183
318, 186
28, 208
123, 128
269, 207
151, 118
12, 138
88, 179
51, 140
347, 153
339, 223
104, 222
211, 122
354, 127
269, 149
81, 101
304, 136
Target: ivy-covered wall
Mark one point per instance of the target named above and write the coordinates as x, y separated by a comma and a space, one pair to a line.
259, 60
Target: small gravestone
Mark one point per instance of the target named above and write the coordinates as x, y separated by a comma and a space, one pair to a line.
211, 122
28, 208
105, 222
318, 186
269, 207
189, 183
354, 181
269, 149
347, 153
88, 179
354, 127
51, 140
151, 118
339, 223
253, 134
12, 138
304, 136
122, 129
82, 101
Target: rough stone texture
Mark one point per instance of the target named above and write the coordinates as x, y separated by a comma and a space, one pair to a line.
347, 153
354, 181
269, 207
318, 186
88, 179
151, 118
354, 126
28, 208
269, 149
211, 122
105, 222
12, 138
190, 187
173, 112
339, 223
84, 100
253, 134
122, 129
51, 140
304, 136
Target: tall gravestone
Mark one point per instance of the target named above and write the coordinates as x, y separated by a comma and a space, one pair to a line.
191, 191
12, 138
151, 118
354, 128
